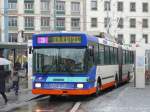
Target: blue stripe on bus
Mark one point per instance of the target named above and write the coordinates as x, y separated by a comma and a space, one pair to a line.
92, 76
89, 79
67, 79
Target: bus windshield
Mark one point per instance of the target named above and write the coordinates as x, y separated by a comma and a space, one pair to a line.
59, 60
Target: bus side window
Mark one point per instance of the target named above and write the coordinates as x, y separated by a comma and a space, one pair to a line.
96, 54
107, 55
90, 56
101, 54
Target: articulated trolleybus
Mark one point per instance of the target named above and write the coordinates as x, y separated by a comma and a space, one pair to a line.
78, 64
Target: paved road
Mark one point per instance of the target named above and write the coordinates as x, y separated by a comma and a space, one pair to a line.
59, 104
65, 104
100, 103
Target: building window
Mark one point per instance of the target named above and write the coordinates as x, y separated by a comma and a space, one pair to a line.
132, 23
145, 23
60, 23
45, 5
120, 6
12, 21
75, 7
93, 22
145, 36
120, 22
27, 36
120, 39
94, 5
45, 21
132, 7
106, 22
12, 37
132, 38
60, 7
29, 23
12, 4
75, 24
106, 6
145, 7
28, 6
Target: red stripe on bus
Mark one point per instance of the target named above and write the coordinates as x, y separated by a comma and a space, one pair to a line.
64, 92
107, 85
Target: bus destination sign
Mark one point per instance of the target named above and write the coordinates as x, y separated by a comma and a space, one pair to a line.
59, 40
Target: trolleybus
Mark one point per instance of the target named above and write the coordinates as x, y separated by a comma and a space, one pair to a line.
78, 64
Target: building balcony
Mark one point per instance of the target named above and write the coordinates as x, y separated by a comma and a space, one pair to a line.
60, 28
45, 28
29, 28
75, 28
12, 11
75, 13
58, 12
27, 11
45, 12
12, 28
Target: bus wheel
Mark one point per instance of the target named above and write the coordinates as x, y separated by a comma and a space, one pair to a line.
116, 82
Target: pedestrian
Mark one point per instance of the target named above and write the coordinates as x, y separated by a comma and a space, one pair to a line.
3, 76
25, 66
15, 80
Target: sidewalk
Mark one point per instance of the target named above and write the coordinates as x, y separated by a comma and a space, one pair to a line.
13, 100
130, 99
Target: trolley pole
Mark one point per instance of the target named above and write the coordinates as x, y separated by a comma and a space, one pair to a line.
54, 6
108, 17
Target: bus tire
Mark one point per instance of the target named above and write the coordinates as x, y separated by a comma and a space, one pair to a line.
116, 82
98, 85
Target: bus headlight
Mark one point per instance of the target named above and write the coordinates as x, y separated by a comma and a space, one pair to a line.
80, 86
38, 85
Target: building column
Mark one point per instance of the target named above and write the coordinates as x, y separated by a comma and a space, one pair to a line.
4, 20
140, 66
67, 18
53, 15
20, 19
37, 10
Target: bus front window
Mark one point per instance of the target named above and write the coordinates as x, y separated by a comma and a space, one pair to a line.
59, 60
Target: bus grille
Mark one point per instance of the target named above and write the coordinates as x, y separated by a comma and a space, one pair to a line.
58, 86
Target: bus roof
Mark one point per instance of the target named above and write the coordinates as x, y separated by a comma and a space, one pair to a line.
86, 38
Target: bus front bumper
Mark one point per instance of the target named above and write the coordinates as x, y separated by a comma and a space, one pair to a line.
64, 92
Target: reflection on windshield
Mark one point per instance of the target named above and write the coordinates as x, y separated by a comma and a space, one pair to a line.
59, 60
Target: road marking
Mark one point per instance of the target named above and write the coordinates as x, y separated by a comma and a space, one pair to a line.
75, 107
39, 110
